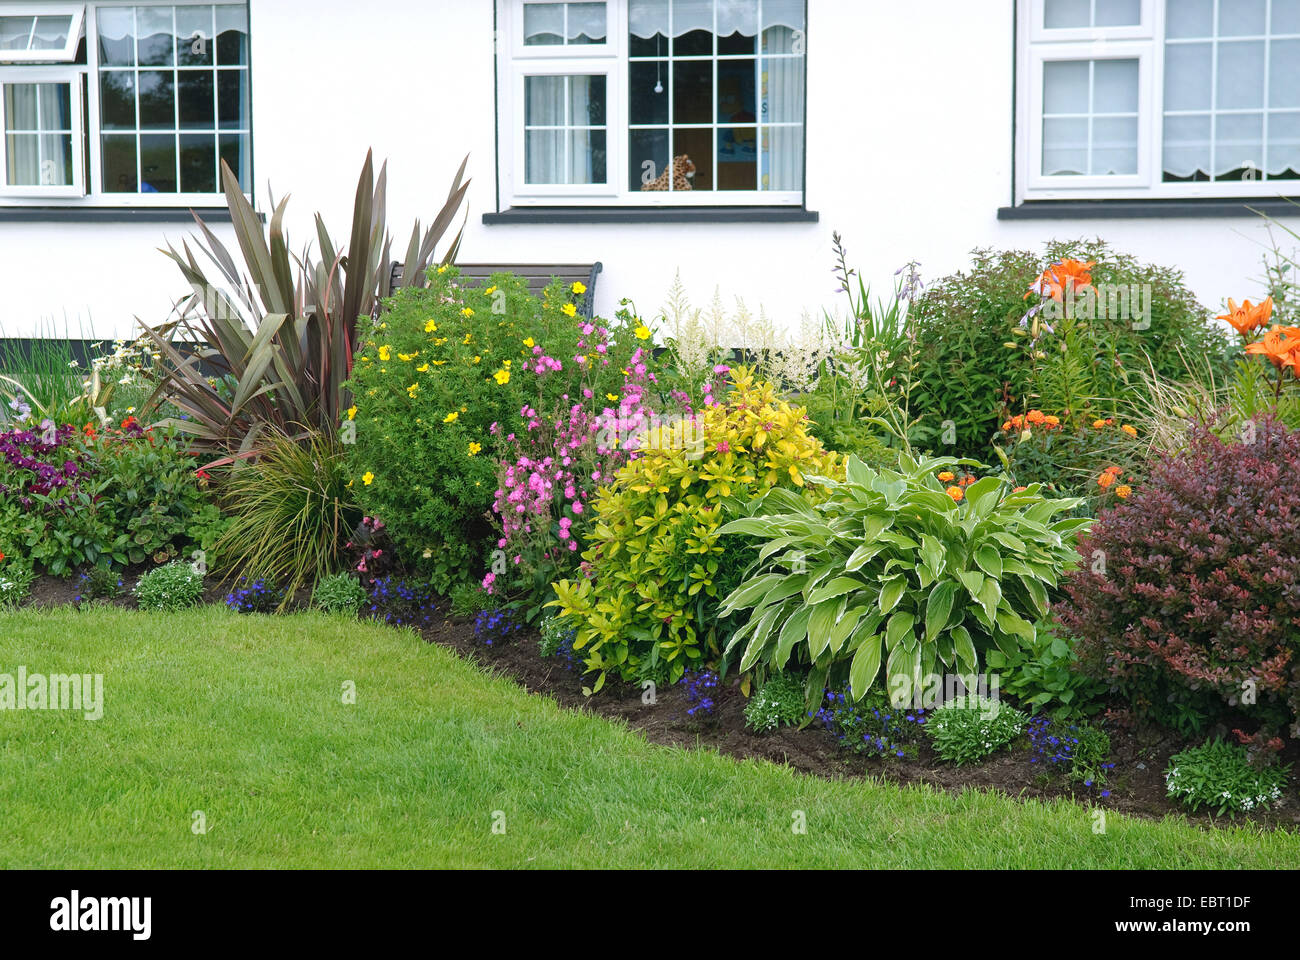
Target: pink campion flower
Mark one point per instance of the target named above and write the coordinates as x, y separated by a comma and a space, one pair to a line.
722, 369
577, 508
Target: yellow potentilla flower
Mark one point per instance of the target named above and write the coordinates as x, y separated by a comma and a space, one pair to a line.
569, 310
412, 390
443, 268
464, 409
643, 332
506, 364
467, 312
431, 327
474, 449
424, 368
477, 360
579, 288
440, 341
368, 479
366, 360
502, 377
451, 417
408, 357
352, 413
611, 398
468, 338
530, 343
385, 354
439, 363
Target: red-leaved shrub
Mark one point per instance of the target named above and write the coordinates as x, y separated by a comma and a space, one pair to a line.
1188, 597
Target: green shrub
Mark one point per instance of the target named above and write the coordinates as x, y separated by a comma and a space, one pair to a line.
1220, 776
970, 728
778, 703
1078, 750
648, 609
339, 593
890, 570
555, 636
173, 587
469, 600
291, 512
974, 366
441, 387
1041, 675
98, 585
16, 581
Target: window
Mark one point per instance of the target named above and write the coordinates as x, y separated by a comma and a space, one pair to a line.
49, 35
647, 102
1159, 98
154, 98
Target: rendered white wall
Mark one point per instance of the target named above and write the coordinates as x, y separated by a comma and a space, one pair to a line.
909, 156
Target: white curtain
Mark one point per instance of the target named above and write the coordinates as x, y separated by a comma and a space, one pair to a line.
556, 153
782, 102
42, 155
1090, 123
649, 17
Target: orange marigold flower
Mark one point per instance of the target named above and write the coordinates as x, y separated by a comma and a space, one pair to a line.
1099, 424
1124, 491
966, 481
947, 477
1106, 481
1036, 417
1114, 471
1052, 422
957, 493
1131, 431
1246, 319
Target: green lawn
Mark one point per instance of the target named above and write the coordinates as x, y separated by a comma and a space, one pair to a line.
242, 718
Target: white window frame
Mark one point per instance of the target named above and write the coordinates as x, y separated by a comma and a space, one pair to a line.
1147, 44
93, 195
516, 61
69, 53
73, 79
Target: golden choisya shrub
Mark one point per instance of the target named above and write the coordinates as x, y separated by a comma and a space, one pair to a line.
655, 565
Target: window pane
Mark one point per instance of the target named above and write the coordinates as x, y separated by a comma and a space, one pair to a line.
51, 33
1065, 147
157, 100
23, 159
738, 158
783, 26
693, 28
235, 153
196, 100
544, 157
117, 100
648, 160
1239, 147
736, 102
648, 28
544, 101
783, 90
543, 24
737, 27
587, 157
1242, 18
198, 163
648, 93
15, 32
1284, 146
1241, 75
697, 147
587, 106
232, 99
119, 163
1118, 13
56, 160
158, 163
1116, 89
1067, 14
20, 106
156, 42
195, 43
1065, 86
1187, 148
232, 35
1189, 76
1114, 146
782, 158
557, 153
587, 23
1286, 16
1284, 74
1189, 18
693, 91
116, 36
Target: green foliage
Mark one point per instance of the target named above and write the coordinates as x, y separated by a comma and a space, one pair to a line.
778, 703
1041, 675
99, 585
970, 728
1091, 755
431, 382
1068, 460
16, 579
172, 587
42, 373
339, 593
976, 365
204, 532
555, 636
291, 510
469, 600
656, 554
283, 336
1220, 776
888, 570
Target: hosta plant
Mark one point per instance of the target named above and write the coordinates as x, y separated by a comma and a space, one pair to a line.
893, 570
657, 564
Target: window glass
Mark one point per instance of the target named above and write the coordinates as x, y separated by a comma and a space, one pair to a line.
38, 134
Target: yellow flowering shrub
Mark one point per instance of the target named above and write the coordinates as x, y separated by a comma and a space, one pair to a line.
656, 566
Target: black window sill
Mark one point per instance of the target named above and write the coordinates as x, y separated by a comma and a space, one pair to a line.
560, 215
112, 214
1149, 209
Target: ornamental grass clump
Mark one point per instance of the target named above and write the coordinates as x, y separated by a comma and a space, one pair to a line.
656, 564
1188, 603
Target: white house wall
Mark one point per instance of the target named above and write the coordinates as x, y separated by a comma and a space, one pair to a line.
910, 121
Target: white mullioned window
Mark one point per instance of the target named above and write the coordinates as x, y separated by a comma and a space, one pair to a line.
123, 104
652, 102
1158, 98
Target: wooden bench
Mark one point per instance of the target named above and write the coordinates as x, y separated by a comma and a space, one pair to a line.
538, 276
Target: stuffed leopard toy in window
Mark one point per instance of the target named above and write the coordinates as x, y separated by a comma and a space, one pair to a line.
682, 170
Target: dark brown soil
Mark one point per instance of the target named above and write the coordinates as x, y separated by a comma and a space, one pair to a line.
1136, 785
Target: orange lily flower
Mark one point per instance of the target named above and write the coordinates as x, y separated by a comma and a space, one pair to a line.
1057, 278
1246, 319
1280, 345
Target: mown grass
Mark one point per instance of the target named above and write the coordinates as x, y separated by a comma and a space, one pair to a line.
243, 718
